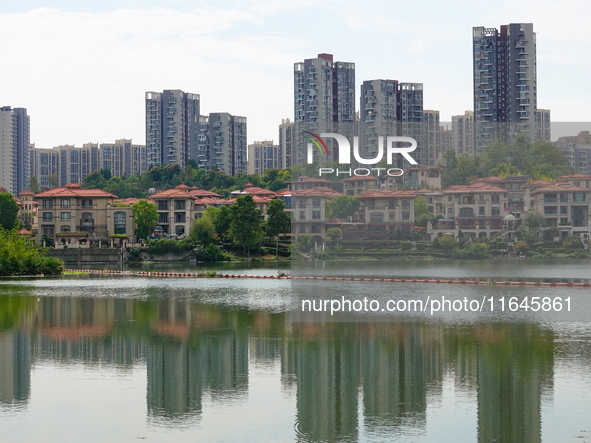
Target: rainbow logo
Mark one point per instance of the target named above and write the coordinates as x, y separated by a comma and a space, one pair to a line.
318, 142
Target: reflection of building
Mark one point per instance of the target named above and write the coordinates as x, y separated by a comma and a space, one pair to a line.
510, 388
399, 369
15, 366
328, 378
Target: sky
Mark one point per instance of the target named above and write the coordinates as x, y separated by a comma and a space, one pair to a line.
82, 68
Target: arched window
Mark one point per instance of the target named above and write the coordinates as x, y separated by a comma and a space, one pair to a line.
120, 227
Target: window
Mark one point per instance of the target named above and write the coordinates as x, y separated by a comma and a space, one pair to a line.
48, 230
495, 211
550, 198
377, 217
466, 212
119, 218
495, 199
406, 203
391, 215
316, 229
578, 197
301, 203
315, 215
563, 197
550, 210
47, 204
47, 216
65, 202
179, 217
405, 215
66, 216
481, 210
316, 203
302, 215
86, 203
564, 221
66, 228
162, 218
302, 229
450, 210
564, 210
162, 205
179, 204
481, 224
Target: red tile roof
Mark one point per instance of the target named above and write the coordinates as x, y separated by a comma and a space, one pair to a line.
537, 183
473, 187
319, 191
75, 190
184, 192
389, 193
255, 190
361, 177
559, 188
574, 177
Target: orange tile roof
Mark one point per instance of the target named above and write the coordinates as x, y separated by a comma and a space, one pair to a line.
473, 187
75, 190
389, 193
560, 188
185, 192
574, 177
319, 191
537, 183
361, 177
255, 190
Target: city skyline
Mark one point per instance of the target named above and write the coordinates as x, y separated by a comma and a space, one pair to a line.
239, 56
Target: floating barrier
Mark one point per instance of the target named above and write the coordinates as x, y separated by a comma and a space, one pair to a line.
302, 277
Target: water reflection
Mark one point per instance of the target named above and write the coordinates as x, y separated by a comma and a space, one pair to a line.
350, 381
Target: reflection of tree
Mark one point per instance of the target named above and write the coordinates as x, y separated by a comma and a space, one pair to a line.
15, 309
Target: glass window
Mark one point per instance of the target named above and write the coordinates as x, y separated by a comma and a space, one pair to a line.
481, 210
316, 203
86, 203
563, 197
66, 228
120, 222
47, 216
301, 203
550, 210
578, 197
179, 204
65, 203
550, 198
302, 215
377, 217
162, 205
66, 216
495, 211
315, 215
564, 209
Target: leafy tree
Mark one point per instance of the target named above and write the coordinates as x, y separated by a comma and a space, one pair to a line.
246, 224
222, 222
465, 169
504, 170
342, 206
533, 221
95, 180
422, 213
146, 218
8, 211
333, 235
278, 221
202, 230
33, 185
447, 242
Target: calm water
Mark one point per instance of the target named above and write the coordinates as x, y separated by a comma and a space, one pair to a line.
121, 359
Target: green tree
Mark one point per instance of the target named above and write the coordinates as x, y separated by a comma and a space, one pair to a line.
246, 224
95, 180
278, 221
342, 206
8, 211
466, 168
447, 242
202, 230
333, 235
222, 222
422, 213
146, 217
34, 185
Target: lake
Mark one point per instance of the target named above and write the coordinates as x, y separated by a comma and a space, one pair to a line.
127, 359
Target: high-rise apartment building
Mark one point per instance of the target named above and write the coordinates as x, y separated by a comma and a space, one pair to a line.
324, 101
123, 158
222, 143
577, 149
543, 131
286, 142
263, 155
391, 108
172, 123
462, 127
14, 148
505, 94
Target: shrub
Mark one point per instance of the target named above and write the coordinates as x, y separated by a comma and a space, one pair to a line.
406, 245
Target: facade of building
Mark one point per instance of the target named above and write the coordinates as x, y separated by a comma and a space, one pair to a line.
77, 217
505, 88
577, 149
543, 131
123, 158
324, 101
172, 123
67, 164
223, 143
462, 127
14, 148
263, 155
286, 142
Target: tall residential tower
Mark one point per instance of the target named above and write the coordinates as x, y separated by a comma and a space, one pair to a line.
14, 148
